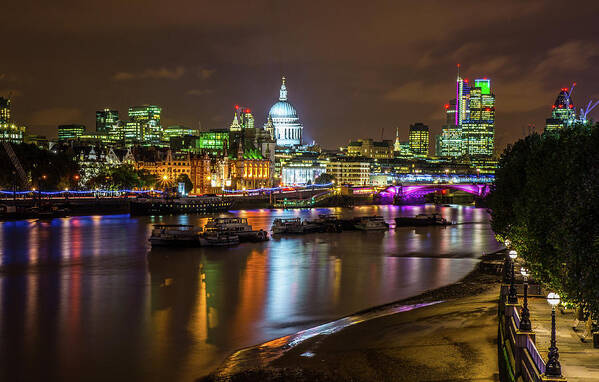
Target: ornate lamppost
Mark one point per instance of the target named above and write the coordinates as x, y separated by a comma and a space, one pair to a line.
525, 324
512, 297
553, 368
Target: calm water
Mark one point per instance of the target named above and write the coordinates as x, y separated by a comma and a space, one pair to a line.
86, 298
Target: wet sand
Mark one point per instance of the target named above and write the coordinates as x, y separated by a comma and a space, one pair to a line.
452, 339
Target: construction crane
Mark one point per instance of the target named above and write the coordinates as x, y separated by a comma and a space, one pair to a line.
585, 112
17, 164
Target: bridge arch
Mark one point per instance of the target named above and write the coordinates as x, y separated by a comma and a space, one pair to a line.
407, 191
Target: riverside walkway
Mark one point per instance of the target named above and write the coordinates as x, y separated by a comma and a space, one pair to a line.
580, 361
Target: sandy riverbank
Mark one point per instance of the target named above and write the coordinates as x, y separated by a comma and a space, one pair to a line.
453, 339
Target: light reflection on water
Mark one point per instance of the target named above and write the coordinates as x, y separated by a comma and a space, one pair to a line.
81, 296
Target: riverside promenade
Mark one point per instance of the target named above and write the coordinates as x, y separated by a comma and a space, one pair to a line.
524, 354
579, 360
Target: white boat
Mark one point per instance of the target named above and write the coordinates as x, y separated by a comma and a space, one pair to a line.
372, 223
175, 235
237, 226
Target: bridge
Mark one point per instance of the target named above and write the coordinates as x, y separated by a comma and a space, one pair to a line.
414, 192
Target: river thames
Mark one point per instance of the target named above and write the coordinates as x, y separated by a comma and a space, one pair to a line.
87, 298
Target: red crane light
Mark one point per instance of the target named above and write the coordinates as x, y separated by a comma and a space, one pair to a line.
236, 107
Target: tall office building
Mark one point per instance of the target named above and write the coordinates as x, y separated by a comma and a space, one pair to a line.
478, 130
242, 119
449, 142
461, 100
418, 139
147, 127
562, 113
469, 121
4, 110
106, 120
8, 130
68, 132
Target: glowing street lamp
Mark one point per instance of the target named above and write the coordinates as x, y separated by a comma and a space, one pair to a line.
553, 368
512, 297
525, 324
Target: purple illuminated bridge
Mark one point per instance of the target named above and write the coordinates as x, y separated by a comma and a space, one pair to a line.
413, 192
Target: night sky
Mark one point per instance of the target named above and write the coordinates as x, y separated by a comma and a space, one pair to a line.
353, 68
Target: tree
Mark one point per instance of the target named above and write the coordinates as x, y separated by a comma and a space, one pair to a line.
546, 202
324, 178
44, 168
183, 178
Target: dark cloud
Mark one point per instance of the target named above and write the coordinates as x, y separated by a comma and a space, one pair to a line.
160, 73
199, 92
353, 68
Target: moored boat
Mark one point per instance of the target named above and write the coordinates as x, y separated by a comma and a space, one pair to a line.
216, 238
372, 223
421, 220
175, 235
292, 225
236, 226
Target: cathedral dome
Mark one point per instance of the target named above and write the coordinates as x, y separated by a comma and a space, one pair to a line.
282, 109
283, 119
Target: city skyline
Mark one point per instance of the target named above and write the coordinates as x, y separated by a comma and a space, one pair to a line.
190, 64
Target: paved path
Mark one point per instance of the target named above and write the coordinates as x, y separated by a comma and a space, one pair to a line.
580, 361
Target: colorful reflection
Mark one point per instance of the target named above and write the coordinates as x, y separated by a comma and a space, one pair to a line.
86, 295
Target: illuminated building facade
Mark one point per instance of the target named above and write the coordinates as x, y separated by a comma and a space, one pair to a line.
449, 142
4, 110
168, 168
242, 119
245, 173
562, 113
419, 139
176, 131
283, 118
469, 127
106, 120
370, 149
144, 125
214, 142
200, 175
461, 100
69, 132
478, 131
397, 143
349, 171
8, 130
302, 168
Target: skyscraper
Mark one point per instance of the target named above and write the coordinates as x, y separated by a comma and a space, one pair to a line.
469, 121
478, 130
8, 130
418, 139
562, 113
148, 129
449, 142
461, 100
106, 120
4, 110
